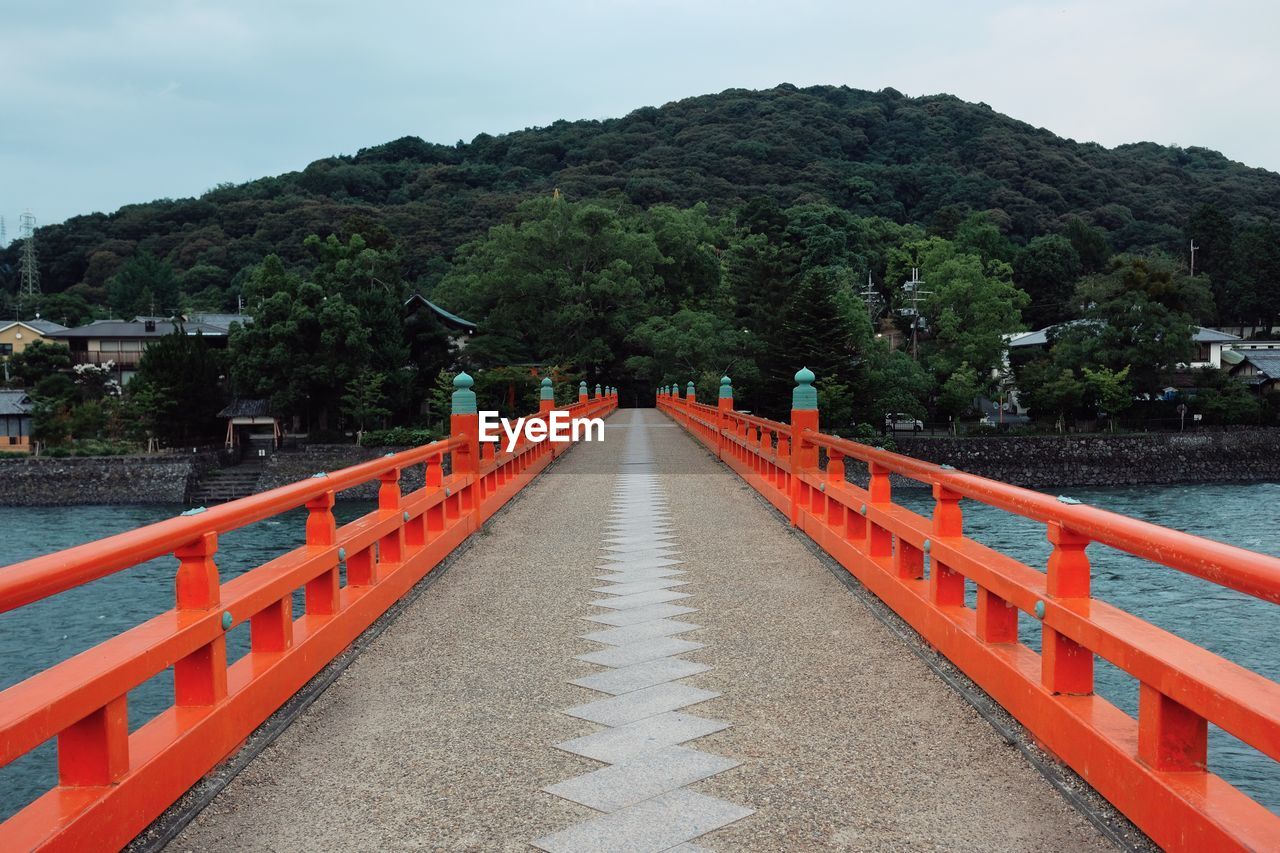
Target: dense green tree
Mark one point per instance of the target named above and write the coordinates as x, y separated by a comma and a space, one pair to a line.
303, 347
363, 402
145, 285
40, 359
1047, 269
1111, 391
973, 306
565, 282
1050, 391
1140, 314
180, 379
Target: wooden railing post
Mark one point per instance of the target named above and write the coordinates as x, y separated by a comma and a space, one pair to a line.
1065, 665
582, 391
725, 404
201, 677
804, 454
464, 423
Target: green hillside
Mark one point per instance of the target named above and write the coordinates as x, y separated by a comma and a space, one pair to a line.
926, 161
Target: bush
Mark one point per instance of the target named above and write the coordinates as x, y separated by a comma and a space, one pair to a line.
398, 437
865, 433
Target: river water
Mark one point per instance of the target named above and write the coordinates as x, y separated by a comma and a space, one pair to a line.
1233, 625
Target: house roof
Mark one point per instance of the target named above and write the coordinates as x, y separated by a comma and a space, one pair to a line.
448, 317
1266, 361
130, 329
44, 327
239, 408
222, 321
14, 403
1039, 338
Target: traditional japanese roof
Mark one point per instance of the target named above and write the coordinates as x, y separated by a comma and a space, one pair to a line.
449, 318
239, 408
14, 403
1266, 361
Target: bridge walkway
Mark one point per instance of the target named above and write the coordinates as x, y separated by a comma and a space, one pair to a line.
788, 718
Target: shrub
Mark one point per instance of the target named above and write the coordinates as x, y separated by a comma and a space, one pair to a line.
398, 437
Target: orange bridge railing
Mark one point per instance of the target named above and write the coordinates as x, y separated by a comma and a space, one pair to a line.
112, 783
1152, 768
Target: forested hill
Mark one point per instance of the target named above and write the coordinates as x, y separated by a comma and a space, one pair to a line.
924, 160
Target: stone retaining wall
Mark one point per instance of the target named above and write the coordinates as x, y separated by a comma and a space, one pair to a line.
1100, 459
1033, 461
111, 480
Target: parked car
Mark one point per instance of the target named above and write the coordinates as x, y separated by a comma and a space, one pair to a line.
899, 422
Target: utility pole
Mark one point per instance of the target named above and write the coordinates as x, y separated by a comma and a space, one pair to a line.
29, 286
871, 299
914, 286
1194, 247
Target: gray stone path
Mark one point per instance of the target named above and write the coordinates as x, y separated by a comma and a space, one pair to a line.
797, 703
642, 794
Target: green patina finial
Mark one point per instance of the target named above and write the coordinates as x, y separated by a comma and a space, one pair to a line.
582, 388
690, 391
597, 389
804, 395
547, 392
675, 390
726, 388
464, 399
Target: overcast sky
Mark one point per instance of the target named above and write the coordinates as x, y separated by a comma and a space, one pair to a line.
107, 103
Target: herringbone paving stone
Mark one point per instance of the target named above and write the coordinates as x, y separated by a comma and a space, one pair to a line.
646, 717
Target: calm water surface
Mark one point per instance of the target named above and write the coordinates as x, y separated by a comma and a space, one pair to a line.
1233, 625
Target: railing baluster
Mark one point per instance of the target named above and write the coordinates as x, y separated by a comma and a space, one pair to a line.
200, 678
946, 587
1170, 736
1066, 666
391, 546
322, 532
95, 750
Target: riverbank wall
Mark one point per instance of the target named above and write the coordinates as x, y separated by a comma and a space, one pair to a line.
101, 480
1103, 459
1045, 462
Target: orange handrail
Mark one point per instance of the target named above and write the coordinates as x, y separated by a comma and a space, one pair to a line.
111, 782
1153, 768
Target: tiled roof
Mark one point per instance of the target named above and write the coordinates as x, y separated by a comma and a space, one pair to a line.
14, 403
246, 409
44, 327
1040, 337
123, 329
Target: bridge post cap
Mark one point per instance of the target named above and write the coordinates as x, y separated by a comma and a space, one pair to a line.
726, 388
582, 387
690, 388
547, 392
597, 389
464, 399
804, 396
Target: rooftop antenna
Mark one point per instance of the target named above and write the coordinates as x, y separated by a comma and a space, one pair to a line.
29, 286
